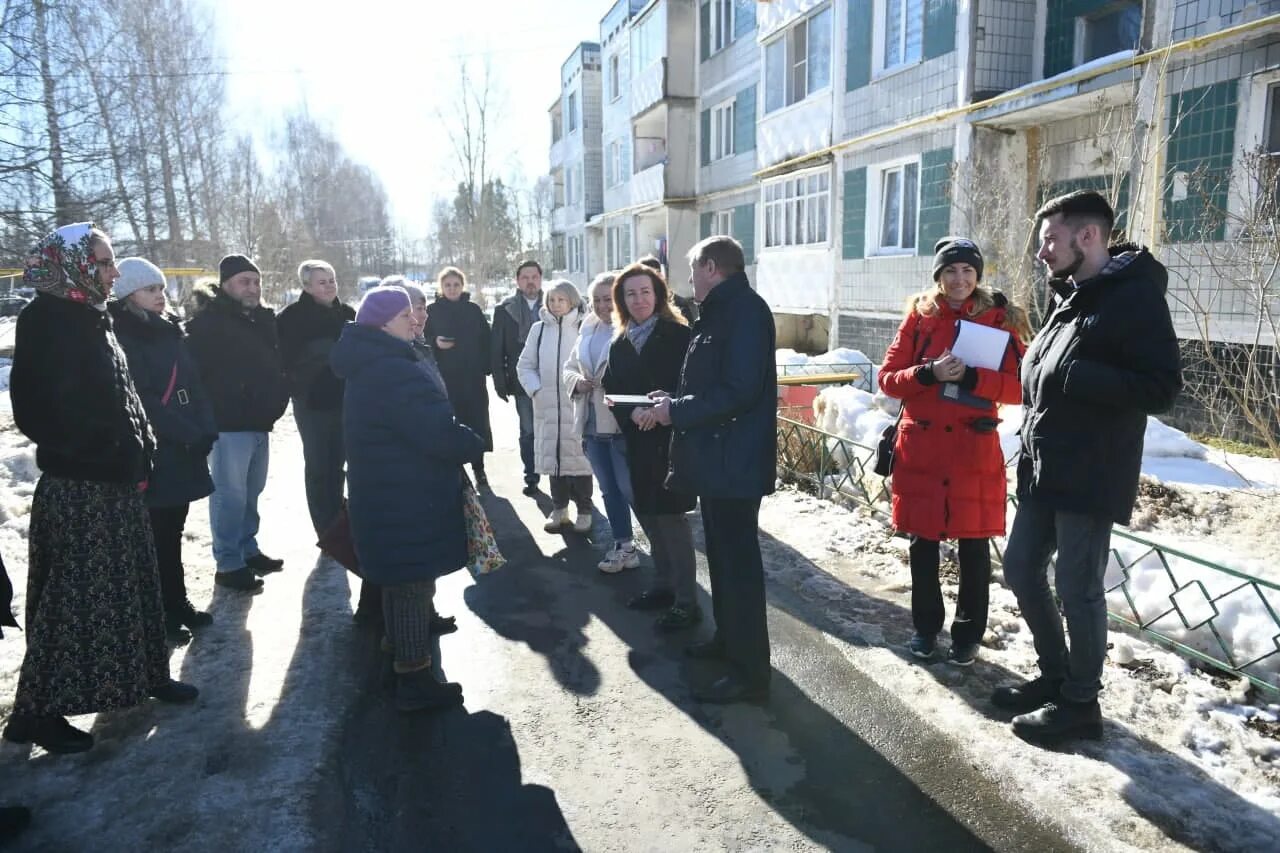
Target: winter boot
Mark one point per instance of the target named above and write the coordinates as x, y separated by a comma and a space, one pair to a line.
923, 647
264, 565
419, 691
242, 579
55, 734
192, 618
1028, 696
175, 692
1060, 720
556, 521
583, 522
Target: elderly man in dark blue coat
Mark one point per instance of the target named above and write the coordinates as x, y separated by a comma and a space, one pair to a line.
723, 449
405, 450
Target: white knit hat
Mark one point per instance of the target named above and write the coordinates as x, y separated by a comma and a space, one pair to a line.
135, 274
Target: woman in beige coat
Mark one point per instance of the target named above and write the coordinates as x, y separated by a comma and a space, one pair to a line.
557, 444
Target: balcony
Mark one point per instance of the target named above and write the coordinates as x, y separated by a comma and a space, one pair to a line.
558, 220
649, 87
649, 185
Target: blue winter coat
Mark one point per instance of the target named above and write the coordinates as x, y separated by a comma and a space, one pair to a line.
404, 452
724, 413
185, 428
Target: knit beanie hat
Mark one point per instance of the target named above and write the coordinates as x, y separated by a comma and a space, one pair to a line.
135, 274
233, 265
956, 250
380, 306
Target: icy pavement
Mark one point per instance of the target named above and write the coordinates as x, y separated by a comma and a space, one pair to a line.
1186, 762
240, 769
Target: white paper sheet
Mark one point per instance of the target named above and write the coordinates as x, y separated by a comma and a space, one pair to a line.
980, 346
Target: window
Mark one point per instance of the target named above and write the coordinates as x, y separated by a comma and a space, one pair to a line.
721, 24
615, 88
722, 131
576, 260
899, 207
573, 185
618, 248
722, 223
556, 130
573, 112
1271, 141
797, 210
903, 32
1116, 28
798, 63
613, 164
557, 253
648, 40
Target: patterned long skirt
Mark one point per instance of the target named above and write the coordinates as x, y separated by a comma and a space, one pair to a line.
95, 629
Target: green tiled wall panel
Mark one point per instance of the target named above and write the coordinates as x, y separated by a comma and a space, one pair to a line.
935, 198
1201, 143
855, 213
744, 230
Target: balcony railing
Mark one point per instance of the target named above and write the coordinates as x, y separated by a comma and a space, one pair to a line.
649, 185
649, 87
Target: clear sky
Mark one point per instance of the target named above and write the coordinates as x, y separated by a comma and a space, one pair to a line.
378, 72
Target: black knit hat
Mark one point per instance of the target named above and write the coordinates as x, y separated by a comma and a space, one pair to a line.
233, 264
956, 250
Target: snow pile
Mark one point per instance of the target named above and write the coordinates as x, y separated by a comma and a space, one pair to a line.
6, 365
1161, 440
839, 360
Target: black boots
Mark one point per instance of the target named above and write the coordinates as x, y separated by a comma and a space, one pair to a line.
1060, 720
261, 564
419, 691
1028, 696
243, 580
174, 692
55, 734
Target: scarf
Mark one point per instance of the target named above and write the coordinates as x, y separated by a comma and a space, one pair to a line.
639, 333
62, 265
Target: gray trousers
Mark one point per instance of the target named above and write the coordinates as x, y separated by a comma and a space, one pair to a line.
673, 560
576, 488
407, 609
1083, 543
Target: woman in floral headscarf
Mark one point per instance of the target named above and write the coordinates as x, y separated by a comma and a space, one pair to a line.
95, 630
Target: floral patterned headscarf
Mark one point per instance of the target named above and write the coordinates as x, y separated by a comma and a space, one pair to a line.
62, 265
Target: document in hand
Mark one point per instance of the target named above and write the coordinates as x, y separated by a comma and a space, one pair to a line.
627, 400
980, 346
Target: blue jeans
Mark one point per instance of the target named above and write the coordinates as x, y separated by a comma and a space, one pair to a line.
323, 458
608, 457
524, 410
1083, 544
238, 465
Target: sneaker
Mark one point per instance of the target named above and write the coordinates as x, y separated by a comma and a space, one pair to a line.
653, 599
963, 655
618, 559
923, 647
583, 522
242, 579
679, 617
1026, 697
1060, 720
556, 521
55, 734
264, 565
419, 691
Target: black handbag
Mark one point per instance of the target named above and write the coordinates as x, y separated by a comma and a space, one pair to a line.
884, 448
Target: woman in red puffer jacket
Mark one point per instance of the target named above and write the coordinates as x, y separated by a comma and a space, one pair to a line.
949, 472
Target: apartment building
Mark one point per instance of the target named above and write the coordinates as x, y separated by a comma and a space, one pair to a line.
576, 164
839, 140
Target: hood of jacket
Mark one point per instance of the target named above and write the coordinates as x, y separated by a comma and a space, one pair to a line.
572, 318
151, 325
360, 348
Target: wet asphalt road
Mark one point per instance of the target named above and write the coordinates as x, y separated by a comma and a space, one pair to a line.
578, 730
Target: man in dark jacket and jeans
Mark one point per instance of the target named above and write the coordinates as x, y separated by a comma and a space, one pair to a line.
512, 320
723, 449
1106, 358
234, 343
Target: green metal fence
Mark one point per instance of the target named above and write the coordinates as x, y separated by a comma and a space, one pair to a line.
1207, 603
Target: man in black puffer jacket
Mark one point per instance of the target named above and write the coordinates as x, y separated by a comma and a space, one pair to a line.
234, 343
1106, 358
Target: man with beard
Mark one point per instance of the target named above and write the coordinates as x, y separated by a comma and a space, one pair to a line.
1106, 358
233, 340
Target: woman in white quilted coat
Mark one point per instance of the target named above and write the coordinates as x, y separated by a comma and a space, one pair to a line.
557, 443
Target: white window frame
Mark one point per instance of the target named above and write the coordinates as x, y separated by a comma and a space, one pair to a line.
876, 176
722, 223
570, 187
1252, 120
618, 245
571, 113
880, 36
615, 85
797, 210
722, 143
613, 163
720, 23
793, 68
576, 260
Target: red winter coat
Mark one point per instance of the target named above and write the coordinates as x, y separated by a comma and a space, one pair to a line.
948, 478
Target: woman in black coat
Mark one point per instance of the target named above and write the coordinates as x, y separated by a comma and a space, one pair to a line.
181, 417
459, 334
95, 627
647, 356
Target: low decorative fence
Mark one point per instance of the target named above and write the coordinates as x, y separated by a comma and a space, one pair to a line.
1212, 614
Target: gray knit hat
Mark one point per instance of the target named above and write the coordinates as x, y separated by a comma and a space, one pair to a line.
135, 274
